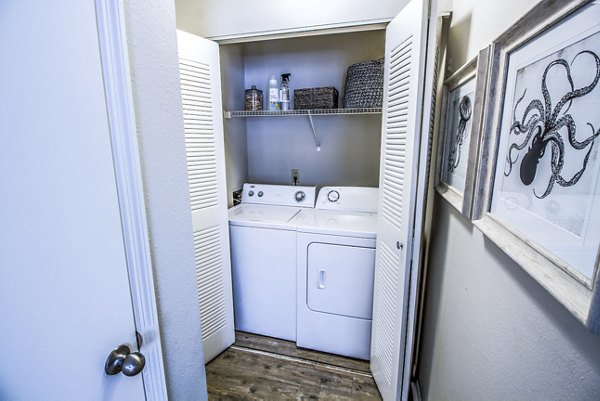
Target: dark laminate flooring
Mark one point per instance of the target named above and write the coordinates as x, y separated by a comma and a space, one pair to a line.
264, 368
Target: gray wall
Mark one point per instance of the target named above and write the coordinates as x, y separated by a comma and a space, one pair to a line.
157, 100
236, 147
350, 145
490, 331
493, 333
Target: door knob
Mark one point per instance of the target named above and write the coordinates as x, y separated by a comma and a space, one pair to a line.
121, 359
399, 245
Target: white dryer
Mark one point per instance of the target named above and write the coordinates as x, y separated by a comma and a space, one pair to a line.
263, 258
335, 268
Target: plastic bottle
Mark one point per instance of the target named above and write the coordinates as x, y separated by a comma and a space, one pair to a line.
274, 103
284, 95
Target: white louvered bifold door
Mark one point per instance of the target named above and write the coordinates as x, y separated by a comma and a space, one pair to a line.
405, 49
203, 125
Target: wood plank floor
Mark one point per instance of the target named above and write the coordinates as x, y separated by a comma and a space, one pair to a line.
264, 368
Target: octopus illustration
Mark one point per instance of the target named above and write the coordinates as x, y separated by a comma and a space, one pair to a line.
464, 111
541, 125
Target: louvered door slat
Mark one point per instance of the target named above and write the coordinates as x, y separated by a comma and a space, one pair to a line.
194, 76
202, 200
201, 100
206, 158
197, 177
387, 324
201, 187
209, 264
196, 110
395, 141
203, 133
187, 83
200, 144
201, 179
194, 123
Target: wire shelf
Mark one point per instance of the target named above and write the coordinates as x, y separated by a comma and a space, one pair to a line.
309, 113
285, 113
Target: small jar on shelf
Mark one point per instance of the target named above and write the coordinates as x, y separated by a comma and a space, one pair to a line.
253, 99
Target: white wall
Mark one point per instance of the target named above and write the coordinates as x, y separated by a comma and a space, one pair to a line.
226, 18
476, 23
490, 331
157, 100
350, 145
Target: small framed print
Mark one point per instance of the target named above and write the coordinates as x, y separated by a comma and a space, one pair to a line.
538, 189
462, 107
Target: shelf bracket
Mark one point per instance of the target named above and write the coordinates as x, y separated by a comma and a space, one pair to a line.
314, 132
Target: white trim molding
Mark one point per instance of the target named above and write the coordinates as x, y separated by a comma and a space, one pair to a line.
121, 118
314, 30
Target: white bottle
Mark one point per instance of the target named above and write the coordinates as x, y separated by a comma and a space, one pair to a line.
274, 103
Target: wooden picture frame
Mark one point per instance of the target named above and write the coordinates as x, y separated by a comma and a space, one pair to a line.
460, 129
539, 136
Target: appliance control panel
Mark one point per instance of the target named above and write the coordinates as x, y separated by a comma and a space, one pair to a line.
348, 199
279, 195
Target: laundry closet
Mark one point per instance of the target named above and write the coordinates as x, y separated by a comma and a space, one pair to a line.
264, 149
336, 148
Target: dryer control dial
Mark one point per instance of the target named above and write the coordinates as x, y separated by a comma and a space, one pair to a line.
251, 193
333, 196
299, 196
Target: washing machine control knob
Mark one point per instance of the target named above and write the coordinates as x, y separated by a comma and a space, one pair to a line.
299, 196
251, 193
333, 196
260, 194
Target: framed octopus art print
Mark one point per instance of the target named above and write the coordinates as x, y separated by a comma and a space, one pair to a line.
538, 188
458, 140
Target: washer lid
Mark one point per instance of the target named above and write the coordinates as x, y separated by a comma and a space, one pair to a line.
262, 213
350, 224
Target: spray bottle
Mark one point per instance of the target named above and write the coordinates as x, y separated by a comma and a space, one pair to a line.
284, 93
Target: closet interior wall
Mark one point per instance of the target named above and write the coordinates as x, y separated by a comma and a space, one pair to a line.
236, 147
265, 149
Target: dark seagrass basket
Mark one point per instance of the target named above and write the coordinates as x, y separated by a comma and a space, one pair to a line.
364, 84
316, 98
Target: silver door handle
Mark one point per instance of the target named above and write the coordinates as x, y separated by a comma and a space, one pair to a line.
321, 282
121, 359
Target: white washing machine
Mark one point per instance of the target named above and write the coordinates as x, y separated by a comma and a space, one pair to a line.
335, 267
263, 258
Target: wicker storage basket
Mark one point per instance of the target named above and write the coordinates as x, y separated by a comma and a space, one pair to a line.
316, 98
364, 84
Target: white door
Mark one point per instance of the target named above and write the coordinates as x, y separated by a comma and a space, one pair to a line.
65, 301
405, 51
203, 123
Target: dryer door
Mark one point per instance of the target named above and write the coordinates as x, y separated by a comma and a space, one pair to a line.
340, 279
